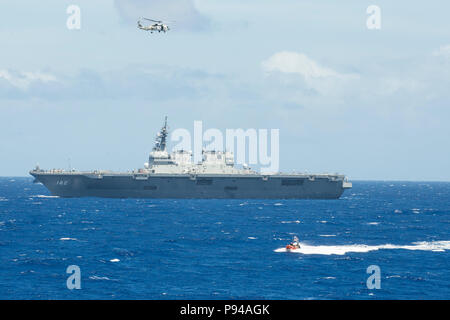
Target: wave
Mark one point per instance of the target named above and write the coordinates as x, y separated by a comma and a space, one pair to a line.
99, 278
44, 196
436, 246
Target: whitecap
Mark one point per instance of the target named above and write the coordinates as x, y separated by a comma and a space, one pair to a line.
373, 223
327, 235
67, 239
98, 278
44, 196
278, 204
114, 260
252, 238
296, 221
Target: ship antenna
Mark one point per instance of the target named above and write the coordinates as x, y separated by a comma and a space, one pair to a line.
161, 138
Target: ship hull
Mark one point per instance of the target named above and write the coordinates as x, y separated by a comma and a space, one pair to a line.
191, 187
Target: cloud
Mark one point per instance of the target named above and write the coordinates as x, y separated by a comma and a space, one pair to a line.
148, 82
285, 67
23, 80
180, 14
299, 63
410, 91
443, 51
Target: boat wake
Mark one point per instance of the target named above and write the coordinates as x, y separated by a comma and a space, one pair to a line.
437, 246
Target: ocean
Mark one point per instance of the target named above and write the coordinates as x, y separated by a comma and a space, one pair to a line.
227, 249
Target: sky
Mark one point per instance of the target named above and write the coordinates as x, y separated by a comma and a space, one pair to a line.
369, 103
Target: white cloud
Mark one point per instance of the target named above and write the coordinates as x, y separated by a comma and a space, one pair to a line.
23, 80
443, 51
148, 82
293, 62
314, 78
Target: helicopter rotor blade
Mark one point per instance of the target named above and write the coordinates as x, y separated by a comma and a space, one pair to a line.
157, 21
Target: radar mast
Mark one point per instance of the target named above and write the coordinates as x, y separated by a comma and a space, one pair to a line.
161, 137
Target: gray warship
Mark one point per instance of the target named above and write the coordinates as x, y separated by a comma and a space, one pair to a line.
174, 175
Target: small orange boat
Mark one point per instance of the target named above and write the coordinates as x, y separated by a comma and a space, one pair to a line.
293, 245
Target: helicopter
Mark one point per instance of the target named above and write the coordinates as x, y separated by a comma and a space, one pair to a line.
156, 26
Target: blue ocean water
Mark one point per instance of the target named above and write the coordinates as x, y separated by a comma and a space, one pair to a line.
227, 249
